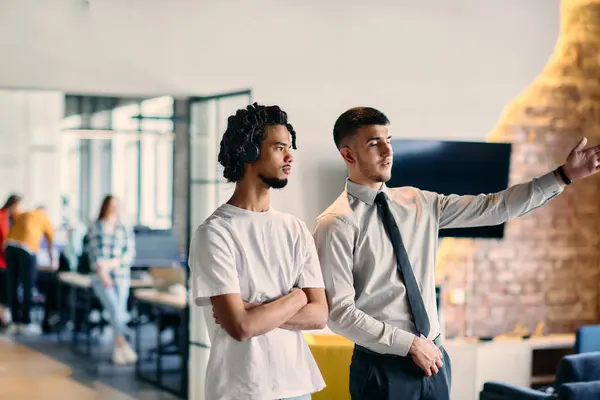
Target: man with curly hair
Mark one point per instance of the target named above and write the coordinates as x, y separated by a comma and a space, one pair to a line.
259, 269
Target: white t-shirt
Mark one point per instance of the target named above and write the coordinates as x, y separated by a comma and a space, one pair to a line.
262, 256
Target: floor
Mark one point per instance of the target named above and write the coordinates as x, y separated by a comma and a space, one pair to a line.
31, 368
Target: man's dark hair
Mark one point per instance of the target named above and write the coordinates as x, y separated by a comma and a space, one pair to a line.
248, 126
350, 121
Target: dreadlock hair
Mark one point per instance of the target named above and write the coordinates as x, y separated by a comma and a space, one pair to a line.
248, 126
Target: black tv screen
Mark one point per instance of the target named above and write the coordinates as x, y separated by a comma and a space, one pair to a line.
452, 167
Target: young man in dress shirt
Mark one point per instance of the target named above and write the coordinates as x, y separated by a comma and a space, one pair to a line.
377, 250
259, 269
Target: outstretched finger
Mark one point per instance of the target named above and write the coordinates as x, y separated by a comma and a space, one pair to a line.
581, 144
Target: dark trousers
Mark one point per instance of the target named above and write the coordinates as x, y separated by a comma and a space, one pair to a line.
3, 288
386, 377
21, 268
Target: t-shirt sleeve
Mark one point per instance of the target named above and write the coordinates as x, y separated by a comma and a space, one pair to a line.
212, 265
310, 274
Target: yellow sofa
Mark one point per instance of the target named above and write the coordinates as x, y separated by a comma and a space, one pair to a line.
332, 354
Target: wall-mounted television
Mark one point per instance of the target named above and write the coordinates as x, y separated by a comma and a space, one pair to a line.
453, 167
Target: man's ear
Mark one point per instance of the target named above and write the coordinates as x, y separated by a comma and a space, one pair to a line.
348, 155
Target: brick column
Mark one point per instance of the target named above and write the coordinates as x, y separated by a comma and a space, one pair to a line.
547, 269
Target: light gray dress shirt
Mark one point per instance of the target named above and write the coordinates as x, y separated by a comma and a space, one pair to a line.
367, 299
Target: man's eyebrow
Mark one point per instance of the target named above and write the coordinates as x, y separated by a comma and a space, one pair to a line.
378, 138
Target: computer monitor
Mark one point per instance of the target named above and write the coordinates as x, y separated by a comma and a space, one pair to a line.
453, 167
156, 248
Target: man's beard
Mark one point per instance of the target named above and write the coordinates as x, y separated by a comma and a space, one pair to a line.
374, 175
273, 183
380, 178
371, 172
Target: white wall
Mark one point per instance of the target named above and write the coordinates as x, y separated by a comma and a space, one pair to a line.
439, 69
29, 148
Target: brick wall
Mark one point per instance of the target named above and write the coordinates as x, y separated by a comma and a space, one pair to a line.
547, 269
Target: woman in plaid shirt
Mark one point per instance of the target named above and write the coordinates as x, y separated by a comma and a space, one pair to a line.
111, 249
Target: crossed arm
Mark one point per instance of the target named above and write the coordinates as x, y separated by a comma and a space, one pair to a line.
300, 309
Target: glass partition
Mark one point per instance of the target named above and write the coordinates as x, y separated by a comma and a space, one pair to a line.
207, 190
122, 146
208, 121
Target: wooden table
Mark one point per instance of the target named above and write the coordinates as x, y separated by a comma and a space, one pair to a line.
79, 283
85, 281
158, 301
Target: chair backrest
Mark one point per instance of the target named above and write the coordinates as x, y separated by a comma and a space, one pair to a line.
579, 391
578, 368
83, 261
156, 247
587, 338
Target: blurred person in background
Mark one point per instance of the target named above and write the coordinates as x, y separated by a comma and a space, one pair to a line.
7, 213
21, 248
111, 249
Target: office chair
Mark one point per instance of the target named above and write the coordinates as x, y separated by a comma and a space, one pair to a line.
587, 339
583, 368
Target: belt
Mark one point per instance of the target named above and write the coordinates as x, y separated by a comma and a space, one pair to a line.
437, 341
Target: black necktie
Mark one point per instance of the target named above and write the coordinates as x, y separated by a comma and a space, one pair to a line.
415, 299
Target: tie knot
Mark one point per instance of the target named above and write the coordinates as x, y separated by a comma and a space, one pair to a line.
380, 199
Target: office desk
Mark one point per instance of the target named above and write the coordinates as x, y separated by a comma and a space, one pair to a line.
46, 268
82, 284
77, 284
158, 301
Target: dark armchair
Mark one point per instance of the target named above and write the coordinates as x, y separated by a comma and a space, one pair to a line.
579, 391
578, 377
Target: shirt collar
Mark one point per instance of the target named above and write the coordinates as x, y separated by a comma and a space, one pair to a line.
364, 193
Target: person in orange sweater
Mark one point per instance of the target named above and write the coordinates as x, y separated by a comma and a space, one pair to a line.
7, 212
21, 248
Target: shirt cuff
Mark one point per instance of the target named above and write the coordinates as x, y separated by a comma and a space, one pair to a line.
402, 341
550, 185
